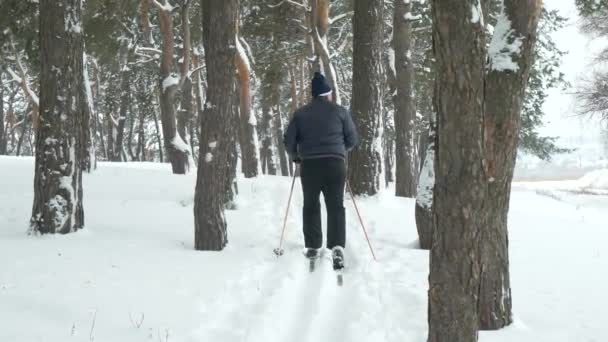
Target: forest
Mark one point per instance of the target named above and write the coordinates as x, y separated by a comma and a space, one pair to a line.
444, 95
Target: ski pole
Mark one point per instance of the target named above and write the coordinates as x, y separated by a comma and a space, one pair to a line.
361, 220
279, 251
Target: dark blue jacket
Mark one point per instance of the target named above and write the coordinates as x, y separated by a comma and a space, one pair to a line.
320, 129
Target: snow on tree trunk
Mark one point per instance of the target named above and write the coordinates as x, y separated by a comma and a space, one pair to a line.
365, 163
459, 195
405, 114
177, 150
424, 194
247, 122
508, 69
219, 27
57, 204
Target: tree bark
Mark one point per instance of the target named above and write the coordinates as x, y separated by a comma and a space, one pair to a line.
455, 265
504, 93
366, 106
424, 193
405, 157
168, 84
58, 178
219, 32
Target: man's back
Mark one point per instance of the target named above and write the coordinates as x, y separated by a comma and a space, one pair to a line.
320, 129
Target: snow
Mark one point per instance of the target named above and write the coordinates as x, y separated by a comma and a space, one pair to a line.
170, 81
391, 61
477, 13
504, 46
208, 157
132, 274
179, 144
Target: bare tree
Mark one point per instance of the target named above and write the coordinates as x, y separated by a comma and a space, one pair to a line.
58, 177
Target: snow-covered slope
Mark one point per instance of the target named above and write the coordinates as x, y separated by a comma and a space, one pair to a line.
132, 274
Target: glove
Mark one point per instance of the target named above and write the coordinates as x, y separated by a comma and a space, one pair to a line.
297, 160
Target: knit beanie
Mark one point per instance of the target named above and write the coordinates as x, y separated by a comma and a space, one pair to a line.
319, 85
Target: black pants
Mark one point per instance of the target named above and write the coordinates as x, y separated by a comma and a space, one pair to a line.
327, 175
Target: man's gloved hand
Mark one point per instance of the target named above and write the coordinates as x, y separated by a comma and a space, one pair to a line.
297, 160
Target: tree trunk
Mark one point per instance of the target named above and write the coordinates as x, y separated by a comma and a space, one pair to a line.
184, 119
219, 32
125, 99
269, 93
366, 106
2, 129
320, 27
424, 193
278, 127
247, 122
158, 133
504, 93
168, 84
458, 203
89, 124
58, 178
405, 113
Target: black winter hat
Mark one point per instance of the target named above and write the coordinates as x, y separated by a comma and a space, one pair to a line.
319, 85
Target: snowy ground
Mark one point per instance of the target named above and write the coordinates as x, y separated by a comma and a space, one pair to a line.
132, 274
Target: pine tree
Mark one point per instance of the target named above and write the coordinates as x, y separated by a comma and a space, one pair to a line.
220, 18
58, 177
403, 98
476, 150
365, 162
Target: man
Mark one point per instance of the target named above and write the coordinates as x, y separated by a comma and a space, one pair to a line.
318, 137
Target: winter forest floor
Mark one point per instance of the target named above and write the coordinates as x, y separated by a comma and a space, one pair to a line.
132, 274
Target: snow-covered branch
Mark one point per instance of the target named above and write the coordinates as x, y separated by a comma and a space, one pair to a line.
297, 4
340, 17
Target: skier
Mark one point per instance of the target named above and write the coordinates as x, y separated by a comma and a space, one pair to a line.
318, 137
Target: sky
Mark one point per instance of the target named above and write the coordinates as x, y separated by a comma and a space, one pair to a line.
560, 108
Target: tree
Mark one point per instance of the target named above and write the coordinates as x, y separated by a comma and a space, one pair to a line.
405, 113
169, 83
510, 62
424, 194
220, 18
58, 177
366, 104
459, 44
478, 128
247, 121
